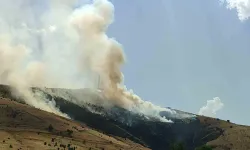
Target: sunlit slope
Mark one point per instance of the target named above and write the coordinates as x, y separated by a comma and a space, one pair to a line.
25, 127
148, 131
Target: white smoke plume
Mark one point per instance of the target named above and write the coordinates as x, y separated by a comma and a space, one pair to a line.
11, 58
211, 107
242, 7
62, 46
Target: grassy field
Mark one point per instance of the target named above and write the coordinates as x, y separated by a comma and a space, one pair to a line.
233, 137
24, 127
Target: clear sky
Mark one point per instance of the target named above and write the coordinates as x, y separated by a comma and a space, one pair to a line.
182, 53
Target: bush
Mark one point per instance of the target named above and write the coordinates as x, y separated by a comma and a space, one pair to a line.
70, 132
204, 147
50, 128
177, 146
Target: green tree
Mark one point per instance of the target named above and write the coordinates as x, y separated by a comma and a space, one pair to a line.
204, 147
50, 128
177, 146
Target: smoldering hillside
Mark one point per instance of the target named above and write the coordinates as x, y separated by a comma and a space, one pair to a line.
117, 121
61, 45
66, 47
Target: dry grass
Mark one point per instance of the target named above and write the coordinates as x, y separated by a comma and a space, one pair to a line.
24, 127
234, 137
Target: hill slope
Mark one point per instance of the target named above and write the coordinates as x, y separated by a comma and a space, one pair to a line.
24, 127
150, 132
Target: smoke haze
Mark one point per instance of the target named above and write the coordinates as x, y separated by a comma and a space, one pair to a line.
54, 44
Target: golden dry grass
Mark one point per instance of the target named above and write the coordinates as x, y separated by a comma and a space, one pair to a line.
234, 137
24, 127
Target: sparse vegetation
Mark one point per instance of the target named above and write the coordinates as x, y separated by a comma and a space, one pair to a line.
177, 146
62, 145
39, 125
204, 147
50, 128
70, 132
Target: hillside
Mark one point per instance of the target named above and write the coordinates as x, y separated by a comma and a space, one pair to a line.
123, 124
24, 127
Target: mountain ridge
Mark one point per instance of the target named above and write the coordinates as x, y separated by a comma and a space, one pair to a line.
147, 131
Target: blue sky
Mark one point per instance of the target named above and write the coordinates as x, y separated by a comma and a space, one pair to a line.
183, 53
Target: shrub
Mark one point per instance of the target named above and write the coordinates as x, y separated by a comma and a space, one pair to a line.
177, 146
204, 147
70, 132
50, 128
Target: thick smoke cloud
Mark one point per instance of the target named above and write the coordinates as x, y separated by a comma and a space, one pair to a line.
61, 46
211, 107
242, 7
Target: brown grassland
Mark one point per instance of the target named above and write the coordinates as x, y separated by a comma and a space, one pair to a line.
24, 127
